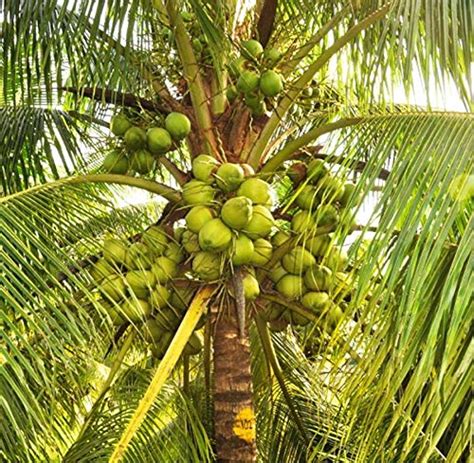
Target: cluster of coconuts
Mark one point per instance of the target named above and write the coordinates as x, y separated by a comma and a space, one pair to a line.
312, 273
227, 221
135, 282
141, 147
256, 79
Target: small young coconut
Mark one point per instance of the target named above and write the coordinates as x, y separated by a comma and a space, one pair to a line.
164, 269
261, 223
291, 286
203, 166
198, 216
197, 192
229, 176
298, 260
207, 265
158, 140
215, 236
237, 212
243, 250
263, 251
178, 125
257, 190
114, 250
135, 138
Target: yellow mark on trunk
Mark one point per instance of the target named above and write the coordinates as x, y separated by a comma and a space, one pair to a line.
244, 425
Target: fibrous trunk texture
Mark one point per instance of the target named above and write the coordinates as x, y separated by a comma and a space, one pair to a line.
234, 416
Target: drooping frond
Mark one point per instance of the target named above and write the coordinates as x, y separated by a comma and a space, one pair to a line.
53, 326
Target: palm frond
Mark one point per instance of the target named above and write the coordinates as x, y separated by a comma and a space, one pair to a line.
48, 321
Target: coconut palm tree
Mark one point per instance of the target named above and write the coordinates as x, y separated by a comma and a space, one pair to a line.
379, 372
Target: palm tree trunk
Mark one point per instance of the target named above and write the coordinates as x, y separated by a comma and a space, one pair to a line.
234, 416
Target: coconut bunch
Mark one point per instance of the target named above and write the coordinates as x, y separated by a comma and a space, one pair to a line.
256, 79
135, 283
312, 272
228, 221
140, 147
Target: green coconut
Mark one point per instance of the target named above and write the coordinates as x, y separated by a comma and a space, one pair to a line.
135, 138
260, 224
159, 297
337, 259
259, 110
327, 216
237, 212
119, 124
298, 260
215, 236
298, 319
253, 100
178, 125
140, 282
197, 45
159, 348
194, 344
116, 163
251, 287
142, 161
113, 287
198, 216
178, 233
291, 286
231, 93
330, 188
252, 49
280, 238
263, 251
174, 252
272, 312
164, 269
197, 192
158, 140
203, 166
318, 278
237, 66
139, 256
242, 251
318, 245
114, 250
333, 316
180, 298
102, 269
156, 239
207, 265
248, 81
302, 221
347, 193
307, 198
257, 190
272, 55
116, 315
316, 301
190, 242
136, 310
277, 272
271, 83
152, 332
229, 176
316, 169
